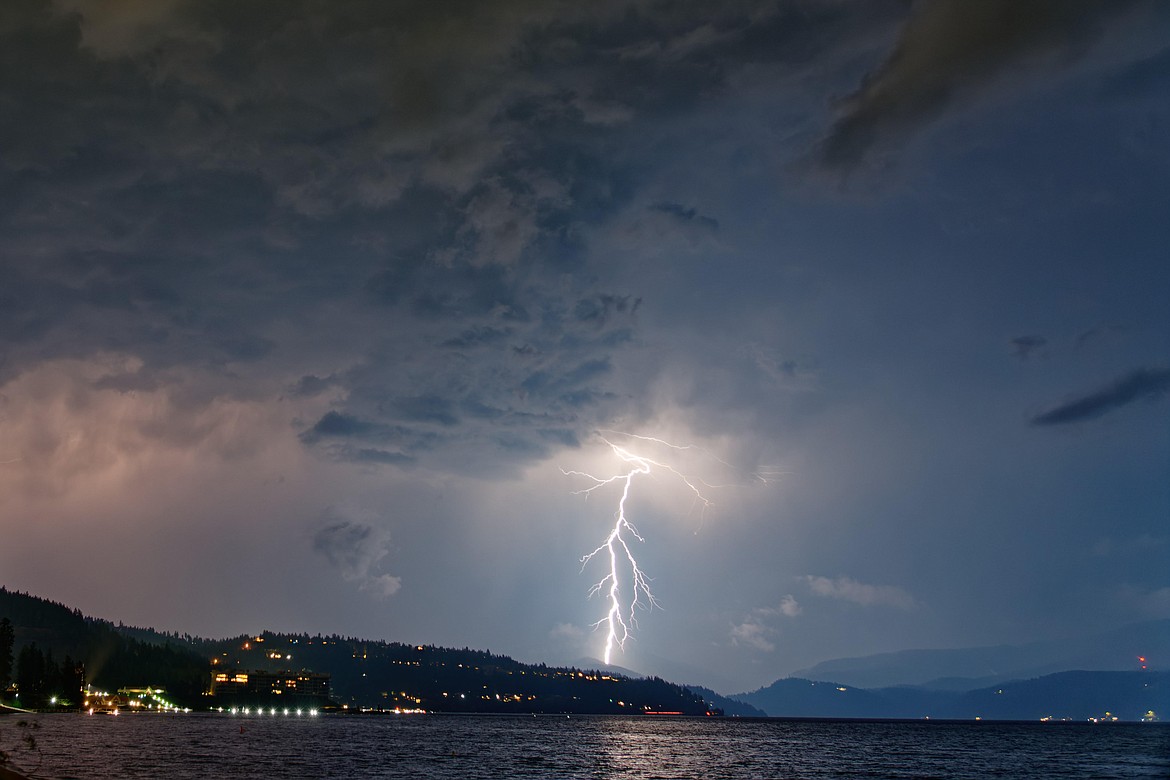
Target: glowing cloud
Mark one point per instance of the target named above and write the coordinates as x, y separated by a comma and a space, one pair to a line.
625, 599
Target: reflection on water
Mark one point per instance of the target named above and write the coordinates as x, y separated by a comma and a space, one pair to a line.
465, 746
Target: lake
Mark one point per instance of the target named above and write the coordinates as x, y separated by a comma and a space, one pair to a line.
465, 746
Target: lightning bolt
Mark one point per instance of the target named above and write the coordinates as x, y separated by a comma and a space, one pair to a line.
621, 617
625, 600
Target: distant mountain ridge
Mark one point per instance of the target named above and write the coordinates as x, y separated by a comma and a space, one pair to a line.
728, 705
1070, 695
970, 668
1120, 672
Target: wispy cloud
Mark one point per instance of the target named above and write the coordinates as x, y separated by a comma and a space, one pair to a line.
1143, 383
1024, 347
753, 633
355, 549
566, 631
758, 629
848, 589
788, 607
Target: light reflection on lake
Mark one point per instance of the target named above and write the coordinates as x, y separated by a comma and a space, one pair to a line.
467, 746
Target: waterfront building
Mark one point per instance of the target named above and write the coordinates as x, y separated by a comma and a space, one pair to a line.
295, 689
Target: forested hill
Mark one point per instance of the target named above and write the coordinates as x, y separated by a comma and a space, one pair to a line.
395, 675
363, 673
53, 645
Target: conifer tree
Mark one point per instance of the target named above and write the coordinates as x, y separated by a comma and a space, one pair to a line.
7, 639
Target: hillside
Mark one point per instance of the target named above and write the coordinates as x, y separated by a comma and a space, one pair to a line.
54, 639
728, 705
391, 674
364, 674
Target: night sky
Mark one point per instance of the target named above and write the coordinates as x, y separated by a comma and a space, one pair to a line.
306, 308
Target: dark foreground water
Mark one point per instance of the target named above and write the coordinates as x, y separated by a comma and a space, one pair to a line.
448, 746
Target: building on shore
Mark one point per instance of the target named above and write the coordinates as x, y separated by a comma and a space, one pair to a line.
286, 688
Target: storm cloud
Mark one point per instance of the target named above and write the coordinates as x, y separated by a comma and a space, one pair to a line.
337, 295
951, 51
1139, 384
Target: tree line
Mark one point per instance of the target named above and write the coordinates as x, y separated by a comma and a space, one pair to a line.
49, 650
42, 682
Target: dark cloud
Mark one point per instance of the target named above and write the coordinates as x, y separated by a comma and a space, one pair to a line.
1024, 347
1143, 383
687, 216
1095, 335
521, 446
373, 455
563, 436
598, 308
1146, 76
311, 385
537, 443
336, 425
479, 336
1087, 337
191, 229
450, 164
344, 544
571, 386
347, 452
520, 357
474, 408
426, 409
128, 382
950, 51
355, 548
244, 347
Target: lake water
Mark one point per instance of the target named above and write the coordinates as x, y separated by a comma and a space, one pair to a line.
464, 746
